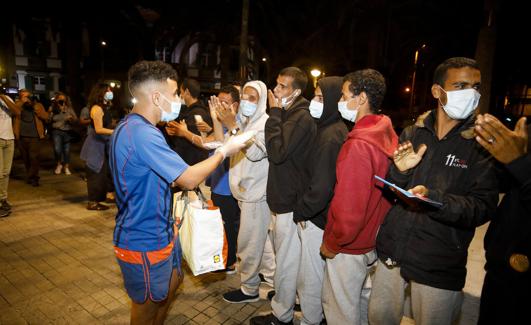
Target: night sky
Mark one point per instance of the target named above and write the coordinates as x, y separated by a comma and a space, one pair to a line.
336, 36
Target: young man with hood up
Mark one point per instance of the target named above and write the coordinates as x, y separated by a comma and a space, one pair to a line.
290, 135
247, 180
311, 208
358, 206
426, 248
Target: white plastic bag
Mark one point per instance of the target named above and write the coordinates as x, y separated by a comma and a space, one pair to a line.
201, 233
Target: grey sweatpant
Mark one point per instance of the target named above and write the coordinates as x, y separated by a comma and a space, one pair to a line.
430, 305
287, 253
311, 273
255, 218
346, 288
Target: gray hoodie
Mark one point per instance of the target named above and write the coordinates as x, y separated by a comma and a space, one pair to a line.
249, 167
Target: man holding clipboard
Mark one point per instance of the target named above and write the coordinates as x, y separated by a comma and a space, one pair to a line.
425, 248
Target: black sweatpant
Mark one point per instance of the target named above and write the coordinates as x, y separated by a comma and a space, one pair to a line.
98, 184
230, 213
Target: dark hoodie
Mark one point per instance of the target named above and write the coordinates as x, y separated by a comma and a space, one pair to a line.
331, 133
289, 138
358, 206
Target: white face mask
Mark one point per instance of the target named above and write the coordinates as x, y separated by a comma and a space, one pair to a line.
461, 103
316, 108
347, 114
247, 108
286, 101
175, 107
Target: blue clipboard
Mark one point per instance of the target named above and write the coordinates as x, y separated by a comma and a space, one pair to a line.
413, 197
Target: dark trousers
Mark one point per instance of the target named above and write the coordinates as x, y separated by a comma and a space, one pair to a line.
98, 184
30, 150
504, 301
230, 213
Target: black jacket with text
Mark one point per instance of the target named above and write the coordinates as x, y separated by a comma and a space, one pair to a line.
431, 245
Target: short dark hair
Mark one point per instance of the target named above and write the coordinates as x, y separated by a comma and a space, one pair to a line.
441, 72
193, 87
371, 82
232, 91
143, 71
300, 79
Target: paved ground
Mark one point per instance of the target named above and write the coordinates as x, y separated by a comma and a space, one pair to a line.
57, 264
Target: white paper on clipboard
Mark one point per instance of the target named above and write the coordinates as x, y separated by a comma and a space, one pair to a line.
414, 197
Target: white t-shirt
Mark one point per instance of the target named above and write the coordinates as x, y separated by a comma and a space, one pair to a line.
6, 125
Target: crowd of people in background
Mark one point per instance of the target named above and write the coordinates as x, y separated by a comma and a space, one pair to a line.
302, 209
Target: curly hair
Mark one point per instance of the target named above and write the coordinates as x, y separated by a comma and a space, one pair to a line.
369, 81
144, 71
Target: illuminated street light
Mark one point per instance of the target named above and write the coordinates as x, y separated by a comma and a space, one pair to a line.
407, 89
264, 59
315, 74
112, 84
103, 43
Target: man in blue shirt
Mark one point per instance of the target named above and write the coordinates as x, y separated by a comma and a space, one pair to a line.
144, 168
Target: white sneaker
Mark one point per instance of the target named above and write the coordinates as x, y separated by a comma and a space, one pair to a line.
67, 171
58, 169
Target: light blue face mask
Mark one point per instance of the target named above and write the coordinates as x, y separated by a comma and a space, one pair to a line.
316, 109
247, 108
108, 96
175, 110
347, 114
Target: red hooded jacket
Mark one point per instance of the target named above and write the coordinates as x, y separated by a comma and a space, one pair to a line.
358, 207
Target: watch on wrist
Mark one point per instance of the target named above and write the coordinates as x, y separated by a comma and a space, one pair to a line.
234, 131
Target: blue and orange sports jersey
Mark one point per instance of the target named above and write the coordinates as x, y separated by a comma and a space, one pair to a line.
143, 167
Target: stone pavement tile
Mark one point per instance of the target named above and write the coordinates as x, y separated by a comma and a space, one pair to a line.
210, 311
190, 313
212, 322
11, 317
201, 306
201, 318
177, 319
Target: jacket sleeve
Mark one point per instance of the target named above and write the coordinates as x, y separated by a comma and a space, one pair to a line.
321, 189
478, 205
520, 169
283, 138
395, 176
351, 195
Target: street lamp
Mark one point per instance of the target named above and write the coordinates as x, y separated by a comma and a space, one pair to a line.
315, 74
102, 48
412, 94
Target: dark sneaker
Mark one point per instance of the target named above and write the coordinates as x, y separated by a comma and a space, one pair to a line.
269, 319
4, 213
4, 205
238, 297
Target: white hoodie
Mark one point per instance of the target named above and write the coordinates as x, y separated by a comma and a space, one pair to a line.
249, 167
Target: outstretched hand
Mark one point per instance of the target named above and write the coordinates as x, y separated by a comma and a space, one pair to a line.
406, 158
502, 143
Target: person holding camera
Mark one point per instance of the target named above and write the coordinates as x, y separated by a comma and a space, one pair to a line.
62, 118
29, 131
